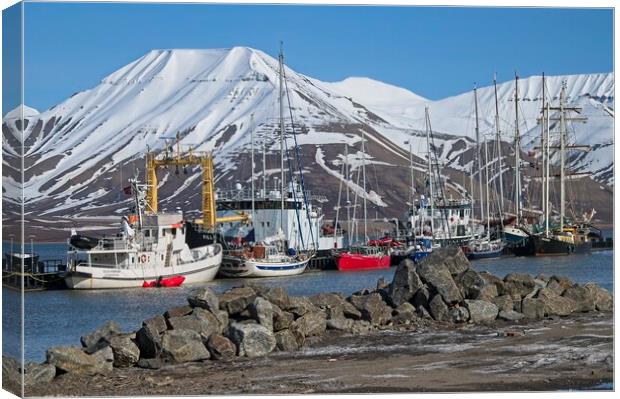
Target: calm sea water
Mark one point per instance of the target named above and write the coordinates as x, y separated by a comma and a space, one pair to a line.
61, 317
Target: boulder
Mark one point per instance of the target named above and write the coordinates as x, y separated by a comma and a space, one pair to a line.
310, 324
152, 364
11, 372
405, 284
72, 359
91, 341
372, 308
252, 340
518, 284
204, 298
181, 346
300, 305
281, 319
223, 320
178, 311
360, 327
37, 374
205, 324
423, 313
496, 281
533, 308
438, 308
510, 315
439, 279
455, 260
278, 296
350, 311
221, 348
404, 314
382, 284
260, 289
582, 296
555, 286
261, 310
342, 324
327, 300
564, 282
458, 314
156, 324
126, 352
422, 297
504, 302
235, 300
555, 304
481, 311
603, 300
472, 285
148, 341
286, 341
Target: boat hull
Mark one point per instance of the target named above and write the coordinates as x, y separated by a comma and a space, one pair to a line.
485, 254
348, 262
94, 278
239, 267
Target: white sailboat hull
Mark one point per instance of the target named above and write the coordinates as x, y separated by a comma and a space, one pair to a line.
88, 277
238, 267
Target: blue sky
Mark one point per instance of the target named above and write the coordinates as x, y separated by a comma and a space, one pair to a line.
434, 52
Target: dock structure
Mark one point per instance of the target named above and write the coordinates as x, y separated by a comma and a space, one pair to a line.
36, 274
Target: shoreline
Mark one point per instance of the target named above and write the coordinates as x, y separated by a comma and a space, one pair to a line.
436, 359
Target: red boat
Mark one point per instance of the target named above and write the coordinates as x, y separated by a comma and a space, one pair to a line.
362, 258
174, 281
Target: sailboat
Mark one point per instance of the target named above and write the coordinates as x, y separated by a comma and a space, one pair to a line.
565, 239
483, 247
272, 256
361, 256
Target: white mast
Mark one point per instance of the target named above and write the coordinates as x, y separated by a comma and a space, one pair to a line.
486, 169
478, 153
517, 155
264, 170
499, 152
562, 155
547, 144
543, 120
412, 176
281, 98
364, 186
346, 176
430, 170
252, 156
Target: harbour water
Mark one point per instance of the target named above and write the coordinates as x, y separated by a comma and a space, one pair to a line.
61, 317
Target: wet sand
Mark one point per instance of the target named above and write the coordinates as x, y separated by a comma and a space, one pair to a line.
552, 354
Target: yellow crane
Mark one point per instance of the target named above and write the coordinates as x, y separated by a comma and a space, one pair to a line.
205, 161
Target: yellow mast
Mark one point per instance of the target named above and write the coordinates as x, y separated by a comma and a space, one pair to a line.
205, 161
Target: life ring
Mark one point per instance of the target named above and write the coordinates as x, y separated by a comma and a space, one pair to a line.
143, 258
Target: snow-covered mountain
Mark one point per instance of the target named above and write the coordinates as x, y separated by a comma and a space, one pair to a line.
79, 151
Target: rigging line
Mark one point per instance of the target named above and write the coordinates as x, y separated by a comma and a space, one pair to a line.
434, 152
299, 162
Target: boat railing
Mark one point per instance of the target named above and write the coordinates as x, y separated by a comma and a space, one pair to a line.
245, 194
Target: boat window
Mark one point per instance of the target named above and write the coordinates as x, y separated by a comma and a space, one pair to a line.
268, 224
174, 231
462, 213
147, 233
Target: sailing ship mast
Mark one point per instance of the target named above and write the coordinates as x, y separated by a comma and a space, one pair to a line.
517, 155
478, 153
430, 170
562, 156
281, 99
486, 168
252, 156
544, 186
499, 153
364, 187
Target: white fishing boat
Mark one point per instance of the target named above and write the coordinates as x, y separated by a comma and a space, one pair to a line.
148, 248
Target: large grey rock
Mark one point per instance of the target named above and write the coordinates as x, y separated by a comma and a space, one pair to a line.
152, 364
278, 296
148, 341
472, 284
11, 372
91, 341
423, 312
481, 311
564, 282
223, 320
438, 308
300, 305
404, 314
533, 308
286, 341
518, 284
252, 340
156, 324
504, 302
555, 304
180, 346
582, 296
204, 298
310, 324
203, 322
72, 359
221, 348
405, 284
126, 352
454, 259
235, 300
281, 319
439, 279
342, 324
327, 300
603, 300
422, 297
496, 281
372, 308
510, 315
458, 314
178, 311
555, 286
350, 311
36, 374
261, 310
